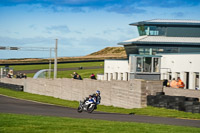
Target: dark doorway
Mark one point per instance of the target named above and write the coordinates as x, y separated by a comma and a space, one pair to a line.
187, 80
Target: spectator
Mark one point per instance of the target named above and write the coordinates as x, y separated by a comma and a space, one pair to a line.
165, 82
92, 76
10, 74
180, 83
74, 75
79, 77
18, 75
173, 83
24, 75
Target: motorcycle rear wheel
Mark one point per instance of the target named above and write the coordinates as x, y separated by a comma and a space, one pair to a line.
80, 109
90, 109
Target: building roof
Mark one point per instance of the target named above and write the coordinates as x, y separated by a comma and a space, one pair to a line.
162, 40
168, 22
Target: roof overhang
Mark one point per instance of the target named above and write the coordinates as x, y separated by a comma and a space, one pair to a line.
163, 40
160, 22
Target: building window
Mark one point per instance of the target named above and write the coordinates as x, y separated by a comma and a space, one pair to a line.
143, 64
156, 67
147, 64
148, 30
141, 30
139, 65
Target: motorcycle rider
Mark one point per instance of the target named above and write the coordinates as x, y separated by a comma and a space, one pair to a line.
91, 99
97, 98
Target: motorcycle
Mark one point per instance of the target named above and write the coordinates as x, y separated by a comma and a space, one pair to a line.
87, 106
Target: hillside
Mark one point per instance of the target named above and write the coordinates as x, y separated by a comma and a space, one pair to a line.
110, 51
106, 53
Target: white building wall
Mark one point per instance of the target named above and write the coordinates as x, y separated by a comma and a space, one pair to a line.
180, 62
185, 66
117, 68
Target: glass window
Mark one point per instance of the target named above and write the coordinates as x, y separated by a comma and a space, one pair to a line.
147, 64
139, 64
141, 30
147, 51
141, 51
151, 30
160, 50
156, 67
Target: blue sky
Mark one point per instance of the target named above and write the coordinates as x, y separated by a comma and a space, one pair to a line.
81, 26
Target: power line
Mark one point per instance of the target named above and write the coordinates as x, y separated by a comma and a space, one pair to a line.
27, 48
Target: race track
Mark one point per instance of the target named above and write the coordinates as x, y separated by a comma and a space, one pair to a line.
17, 106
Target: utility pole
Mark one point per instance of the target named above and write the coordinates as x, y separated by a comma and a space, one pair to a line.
55, 60
50, 65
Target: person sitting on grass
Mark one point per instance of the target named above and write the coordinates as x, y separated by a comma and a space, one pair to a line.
74, 75
79, 77
92, 76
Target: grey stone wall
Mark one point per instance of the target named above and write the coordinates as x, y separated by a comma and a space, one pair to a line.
181, 92
125, 94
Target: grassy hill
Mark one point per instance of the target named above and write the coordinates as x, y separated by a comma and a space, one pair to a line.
110, 51
106, 53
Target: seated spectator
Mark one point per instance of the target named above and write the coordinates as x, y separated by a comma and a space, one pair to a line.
24, 75
173, 83
165, 81
92, 76
74, 75
79, 77
10, 74
180, 83
18, 75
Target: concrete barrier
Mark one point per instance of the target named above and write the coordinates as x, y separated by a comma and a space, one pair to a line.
125, 94
182, 92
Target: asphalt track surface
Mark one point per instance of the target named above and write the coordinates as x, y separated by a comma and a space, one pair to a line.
17, 106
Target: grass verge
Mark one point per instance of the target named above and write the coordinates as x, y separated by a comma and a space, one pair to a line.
65, 65
30, 124
150, 111
85, 73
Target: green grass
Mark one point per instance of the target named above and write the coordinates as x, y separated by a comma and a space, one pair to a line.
65, 65
85, 73
150, 111
39, 98
15, 123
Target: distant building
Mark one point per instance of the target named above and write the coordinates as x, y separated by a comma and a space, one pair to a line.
166, 49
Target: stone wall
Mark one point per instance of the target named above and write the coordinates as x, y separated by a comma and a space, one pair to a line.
181, 92
125, 94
